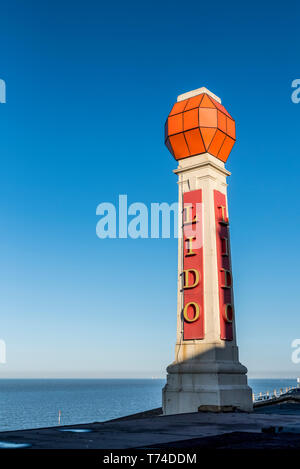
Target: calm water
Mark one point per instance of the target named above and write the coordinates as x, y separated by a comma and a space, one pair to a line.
35, 403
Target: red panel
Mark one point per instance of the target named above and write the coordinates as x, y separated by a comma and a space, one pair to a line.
193, 304
224, 267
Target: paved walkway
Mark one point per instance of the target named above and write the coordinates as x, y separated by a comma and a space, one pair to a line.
151, 430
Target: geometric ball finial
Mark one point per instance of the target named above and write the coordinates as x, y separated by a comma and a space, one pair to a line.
198, 123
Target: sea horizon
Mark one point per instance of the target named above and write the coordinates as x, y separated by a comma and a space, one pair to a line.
256, 377
37, 402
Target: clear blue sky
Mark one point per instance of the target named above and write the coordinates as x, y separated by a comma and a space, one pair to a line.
89, 85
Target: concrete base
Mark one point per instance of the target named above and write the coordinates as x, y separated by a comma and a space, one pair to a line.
206, 386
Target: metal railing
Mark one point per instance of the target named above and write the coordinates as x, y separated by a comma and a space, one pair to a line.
267, 396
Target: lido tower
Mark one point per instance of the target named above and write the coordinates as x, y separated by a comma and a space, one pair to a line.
206, 374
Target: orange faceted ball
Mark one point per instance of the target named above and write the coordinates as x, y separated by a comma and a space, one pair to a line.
199, 125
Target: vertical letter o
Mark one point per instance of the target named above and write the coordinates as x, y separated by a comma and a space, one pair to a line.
228, 313
196, 312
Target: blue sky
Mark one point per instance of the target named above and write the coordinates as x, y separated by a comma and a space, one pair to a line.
89, 85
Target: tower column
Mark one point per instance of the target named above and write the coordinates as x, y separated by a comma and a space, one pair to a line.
206, 373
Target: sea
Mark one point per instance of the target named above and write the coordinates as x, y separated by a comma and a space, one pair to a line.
33, 403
